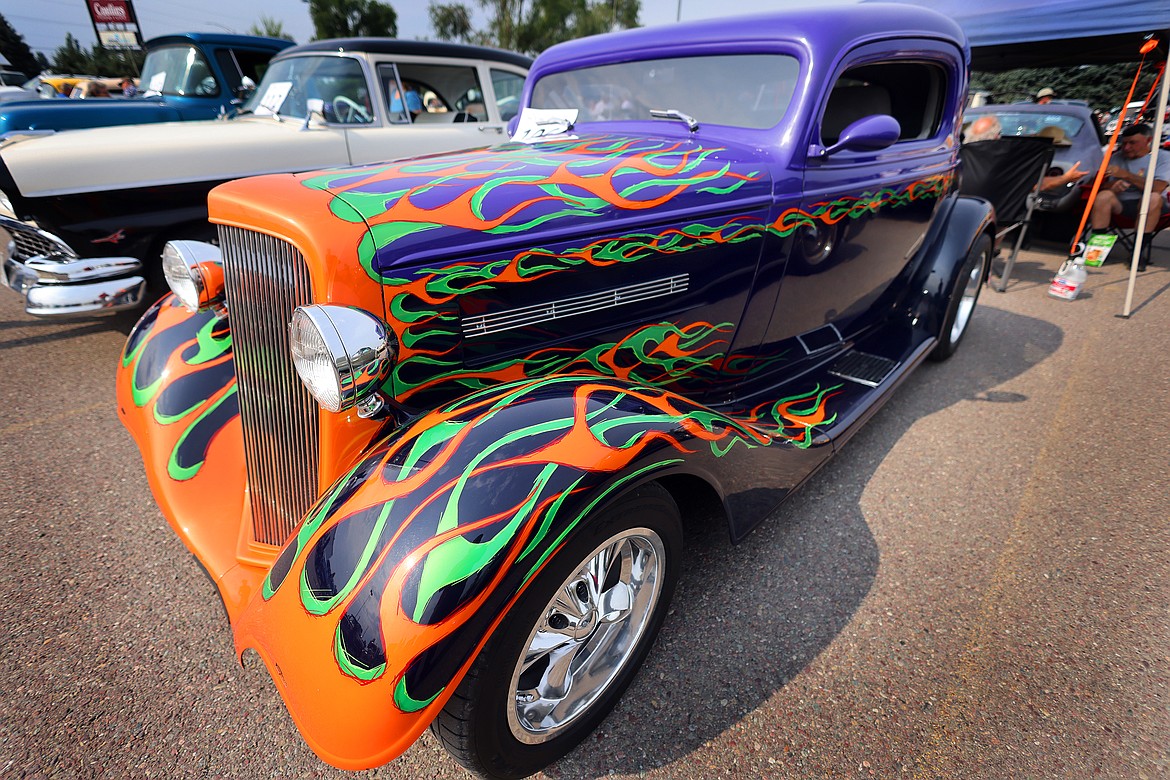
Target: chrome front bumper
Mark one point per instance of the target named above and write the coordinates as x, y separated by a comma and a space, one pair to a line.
55, 282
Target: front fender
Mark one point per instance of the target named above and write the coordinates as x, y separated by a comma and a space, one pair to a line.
377, 606
177, 396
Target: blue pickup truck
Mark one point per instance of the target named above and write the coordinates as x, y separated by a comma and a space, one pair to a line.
186, 76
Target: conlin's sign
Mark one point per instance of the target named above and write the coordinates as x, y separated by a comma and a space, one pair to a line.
110, 11
114, 23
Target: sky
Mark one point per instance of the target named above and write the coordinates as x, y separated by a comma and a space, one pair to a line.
43, 23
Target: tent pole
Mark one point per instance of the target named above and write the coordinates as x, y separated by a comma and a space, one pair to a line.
1140, 224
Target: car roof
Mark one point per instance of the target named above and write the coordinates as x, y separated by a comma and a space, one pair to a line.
418, 48
223, 39
822, 28
1075, 109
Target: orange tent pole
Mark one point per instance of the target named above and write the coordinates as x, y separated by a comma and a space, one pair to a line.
1105, 161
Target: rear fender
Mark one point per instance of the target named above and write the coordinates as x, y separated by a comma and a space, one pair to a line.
395, 579
965, 220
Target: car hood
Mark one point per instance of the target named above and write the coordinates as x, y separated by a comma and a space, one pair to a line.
528, 193
74, 114
112, 158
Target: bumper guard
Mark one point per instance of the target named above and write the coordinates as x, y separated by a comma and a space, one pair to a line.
55, 282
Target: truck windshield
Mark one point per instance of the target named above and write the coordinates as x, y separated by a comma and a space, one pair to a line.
333, 85
741, 90
178, 70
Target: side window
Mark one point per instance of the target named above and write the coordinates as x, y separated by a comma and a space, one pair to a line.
442, 93
911, 92
507, 87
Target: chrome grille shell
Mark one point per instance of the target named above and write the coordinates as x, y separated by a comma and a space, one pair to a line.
265, 279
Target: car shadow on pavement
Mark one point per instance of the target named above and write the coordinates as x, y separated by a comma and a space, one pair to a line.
57, 330
746, 619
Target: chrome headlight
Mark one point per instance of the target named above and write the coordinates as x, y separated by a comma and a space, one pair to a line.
341, 355
194, 271
6, 208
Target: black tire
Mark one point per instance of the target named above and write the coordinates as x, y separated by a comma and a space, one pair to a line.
961, 302
484, 725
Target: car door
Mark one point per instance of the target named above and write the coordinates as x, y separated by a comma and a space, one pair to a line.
430, 106
864, 214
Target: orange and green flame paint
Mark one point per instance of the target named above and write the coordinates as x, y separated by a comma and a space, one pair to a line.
432, 534
517, 188
180, 367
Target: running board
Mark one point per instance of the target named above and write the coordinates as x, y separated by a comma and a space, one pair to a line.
863, 368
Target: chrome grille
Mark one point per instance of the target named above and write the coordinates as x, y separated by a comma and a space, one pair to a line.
265, 279
32, 242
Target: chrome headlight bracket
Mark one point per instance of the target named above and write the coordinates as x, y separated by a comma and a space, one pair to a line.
194, 272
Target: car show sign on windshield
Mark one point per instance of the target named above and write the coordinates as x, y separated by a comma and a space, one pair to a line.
114, 23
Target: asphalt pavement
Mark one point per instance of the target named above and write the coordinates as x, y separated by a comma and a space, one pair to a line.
977, 587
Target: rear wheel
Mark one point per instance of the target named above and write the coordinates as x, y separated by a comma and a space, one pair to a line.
560, 660
964, 296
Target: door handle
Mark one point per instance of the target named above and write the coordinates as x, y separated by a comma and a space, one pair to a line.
489, 129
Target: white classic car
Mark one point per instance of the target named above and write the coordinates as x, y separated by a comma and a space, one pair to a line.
88, 211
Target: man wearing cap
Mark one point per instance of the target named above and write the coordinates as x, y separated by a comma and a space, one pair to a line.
1045, 95
1127, 180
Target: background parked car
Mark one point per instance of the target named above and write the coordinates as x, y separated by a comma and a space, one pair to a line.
85, 223
186, 76
12, 78
1079, 139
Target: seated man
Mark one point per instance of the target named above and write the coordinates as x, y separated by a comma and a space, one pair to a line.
988, 128
1122, 192
985, 128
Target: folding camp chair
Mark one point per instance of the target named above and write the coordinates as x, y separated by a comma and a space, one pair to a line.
1125, 228
1007, 172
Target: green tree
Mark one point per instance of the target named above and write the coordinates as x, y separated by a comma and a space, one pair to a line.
16, 51
270, 27
534, 26
552, 21
1102, 86
347, 18
71, 58
116, 62
98, 61
451, 22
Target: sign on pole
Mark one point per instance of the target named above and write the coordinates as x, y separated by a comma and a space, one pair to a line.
115, 24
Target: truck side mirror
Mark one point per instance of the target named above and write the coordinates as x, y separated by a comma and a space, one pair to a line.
868, 134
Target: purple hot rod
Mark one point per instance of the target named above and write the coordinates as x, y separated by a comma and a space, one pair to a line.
435, 426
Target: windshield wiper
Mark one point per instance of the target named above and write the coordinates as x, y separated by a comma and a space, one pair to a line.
673, 113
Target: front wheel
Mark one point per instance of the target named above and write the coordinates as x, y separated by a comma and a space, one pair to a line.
964, 295
561, 659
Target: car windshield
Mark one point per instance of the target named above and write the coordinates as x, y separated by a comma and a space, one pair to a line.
741, 90
335, 86
1029, 123
177, 70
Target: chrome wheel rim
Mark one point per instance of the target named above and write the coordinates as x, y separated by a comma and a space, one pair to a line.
967, 303
586, 634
